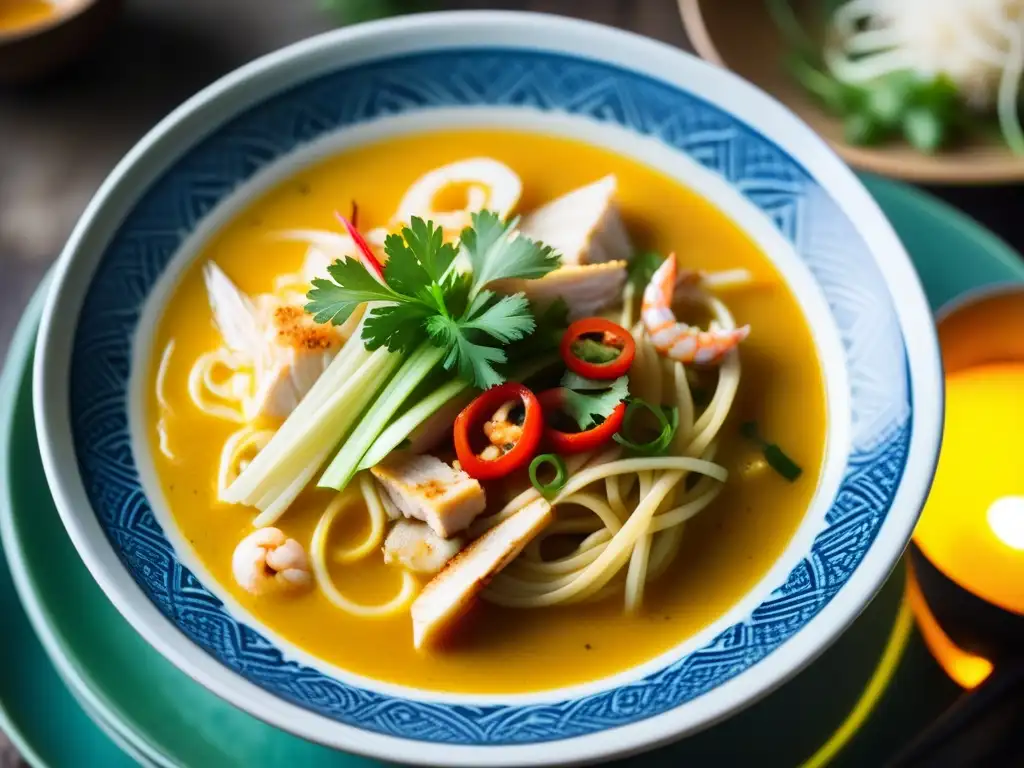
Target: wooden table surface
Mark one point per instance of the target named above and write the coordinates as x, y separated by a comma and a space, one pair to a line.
59, 140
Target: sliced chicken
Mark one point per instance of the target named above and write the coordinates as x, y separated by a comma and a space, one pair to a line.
286, 349
415, 546
583, 225
450, 594
586, 289
425, 488
488, 185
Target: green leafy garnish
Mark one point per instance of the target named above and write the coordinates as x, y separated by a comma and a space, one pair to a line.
589, 401
667, 418
591, 351
496, 252
551, 325
773, 454
330, 302
547, 490
353, 11
642, 268
424, 296
504, 320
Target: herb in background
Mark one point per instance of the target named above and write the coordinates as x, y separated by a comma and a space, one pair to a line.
353, 11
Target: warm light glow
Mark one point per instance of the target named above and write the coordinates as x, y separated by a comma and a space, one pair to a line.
972, 527
1006, 516
968, 670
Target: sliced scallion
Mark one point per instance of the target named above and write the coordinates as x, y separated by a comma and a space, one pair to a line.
668, 423
550, 489
773, 454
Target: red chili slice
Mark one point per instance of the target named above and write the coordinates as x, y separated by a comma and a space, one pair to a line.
577, 442
367, 256
612, 335
479, 411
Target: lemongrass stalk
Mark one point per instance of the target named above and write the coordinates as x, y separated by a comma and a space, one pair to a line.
413, 371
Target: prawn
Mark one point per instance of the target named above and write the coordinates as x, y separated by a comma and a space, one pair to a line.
680, 341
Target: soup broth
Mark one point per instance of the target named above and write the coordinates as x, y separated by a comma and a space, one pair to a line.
726, 549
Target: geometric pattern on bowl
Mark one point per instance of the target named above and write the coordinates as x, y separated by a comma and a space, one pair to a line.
824, 238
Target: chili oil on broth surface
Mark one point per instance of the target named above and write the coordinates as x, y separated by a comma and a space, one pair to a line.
726, 549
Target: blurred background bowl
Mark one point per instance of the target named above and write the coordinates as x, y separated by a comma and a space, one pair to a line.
42, 46
740, 35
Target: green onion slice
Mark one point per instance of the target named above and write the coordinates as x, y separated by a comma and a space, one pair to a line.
668, 424
773, 454
547, 490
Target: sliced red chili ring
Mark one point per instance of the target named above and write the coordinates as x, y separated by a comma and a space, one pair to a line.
612, 335
479, 411
576, 442
367, 256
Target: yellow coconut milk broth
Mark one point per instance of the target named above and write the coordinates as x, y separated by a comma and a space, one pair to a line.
727, 548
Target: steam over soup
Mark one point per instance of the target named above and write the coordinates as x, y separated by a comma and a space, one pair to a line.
485, 411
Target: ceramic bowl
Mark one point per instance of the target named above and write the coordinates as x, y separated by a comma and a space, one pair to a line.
34, 51
704, 126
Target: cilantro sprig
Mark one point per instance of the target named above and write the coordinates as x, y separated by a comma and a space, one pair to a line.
588, 401
431, 290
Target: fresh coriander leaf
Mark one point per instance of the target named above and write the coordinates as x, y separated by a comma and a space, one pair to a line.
551, 325
642, 268
426, 241
507, 319
588, 401
475, 362
496, 252
399, 327
591, 351
404, 272
352, 285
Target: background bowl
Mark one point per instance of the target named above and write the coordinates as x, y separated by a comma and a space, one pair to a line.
40, 49
741, 36
716, 133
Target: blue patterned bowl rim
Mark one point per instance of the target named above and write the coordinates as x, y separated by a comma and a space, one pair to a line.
203, 150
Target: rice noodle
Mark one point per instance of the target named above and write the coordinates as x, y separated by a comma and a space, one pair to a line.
629, 543
318, 558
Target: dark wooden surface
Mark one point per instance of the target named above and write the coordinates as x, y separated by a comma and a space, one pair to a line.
58, 140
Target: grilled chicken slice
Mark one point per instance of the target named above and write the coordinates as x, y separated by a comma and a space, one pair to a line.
586, 289
450, 594
425, 488
415, 546
286, 349
583, 225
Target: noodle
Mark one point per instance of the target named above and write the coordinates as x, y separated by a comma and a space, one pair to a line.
318, 558
162, 402
239, 449
213, 397
378, 522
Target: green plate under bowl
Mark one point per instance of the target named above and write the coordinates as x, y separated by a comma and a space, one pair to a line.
171, 720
